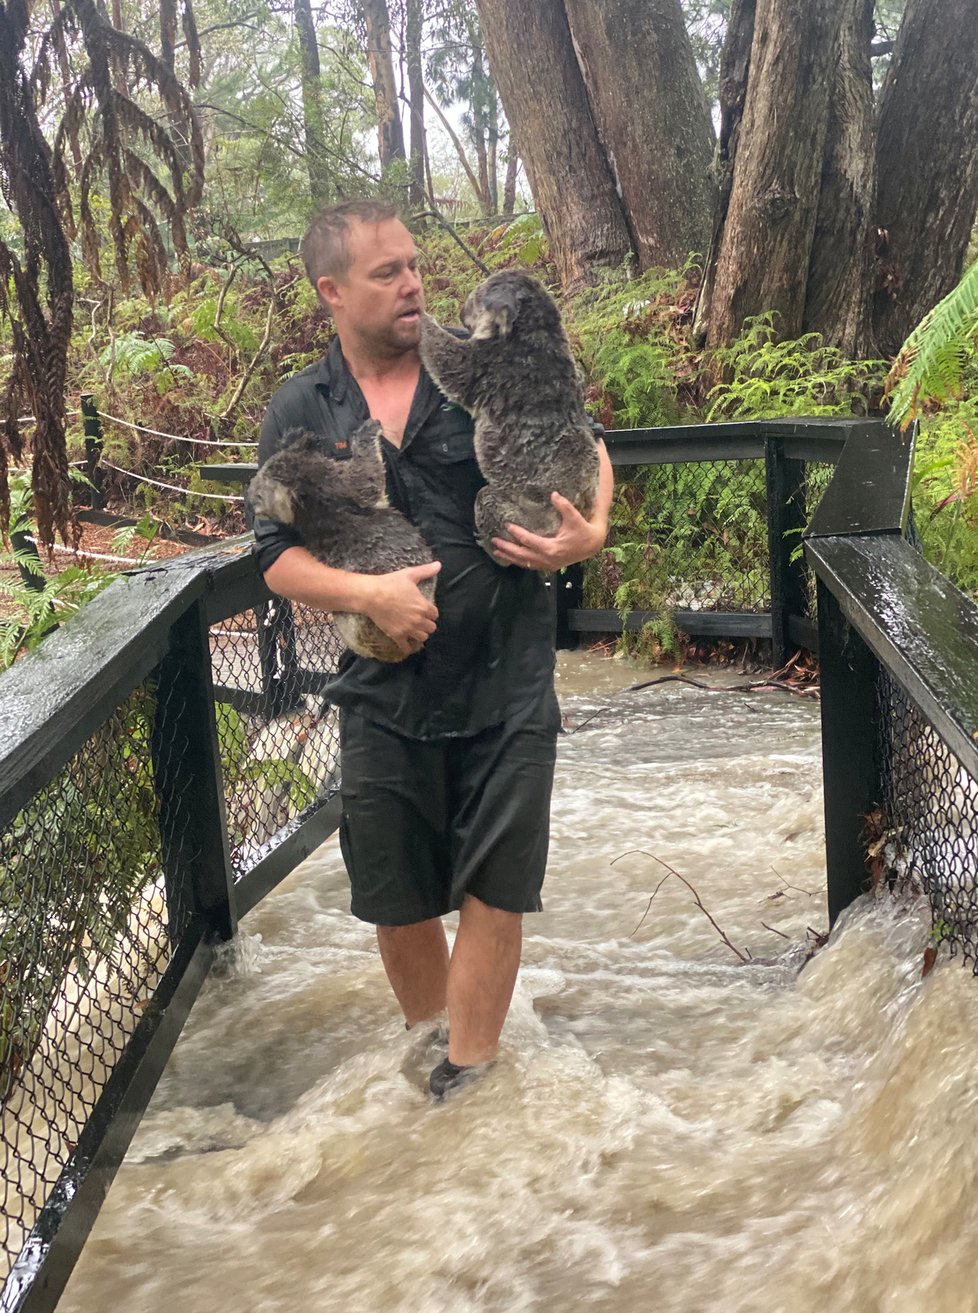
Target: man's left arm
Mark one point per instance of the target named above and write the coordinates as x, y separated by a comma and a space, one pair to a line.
575, 540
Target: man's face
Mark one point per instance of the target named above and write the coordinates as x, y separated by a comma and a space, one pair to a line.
379, 299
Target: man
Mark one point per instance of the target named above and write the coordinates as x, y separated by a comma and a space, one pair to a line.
447, 757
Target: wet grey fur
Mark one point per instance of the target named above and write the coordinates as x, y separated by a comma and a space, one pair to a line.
516, 376
340, 510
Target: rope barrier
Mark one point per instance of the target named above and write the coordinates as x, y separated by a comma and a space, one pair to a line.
176, 437
89, 556
171, 487
29, 419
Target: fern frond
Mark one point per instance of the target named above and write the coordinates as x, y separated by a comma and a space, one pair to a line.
930, 364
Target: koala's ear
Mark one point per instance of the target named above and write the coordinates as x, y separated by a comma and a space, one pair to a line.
271, 499
497, 311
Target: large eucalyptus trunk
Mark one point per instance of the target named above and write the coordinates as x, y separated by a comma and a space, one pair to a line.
927, 163
652, 119
734, 70
312, 103
419, 148
380, 62
768, 233
840, 267
536, 70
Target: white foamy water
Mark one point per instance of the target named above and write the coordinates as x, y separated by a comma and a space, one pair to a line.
668, 1128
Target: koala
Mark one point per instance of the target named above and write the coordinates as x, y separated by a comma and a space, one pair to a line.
340, 509
516, 376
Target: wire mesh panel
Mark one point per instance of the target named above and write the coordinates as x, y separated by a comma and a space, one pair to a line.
685, 536
86, 925
926, 830
278, 737
817, 477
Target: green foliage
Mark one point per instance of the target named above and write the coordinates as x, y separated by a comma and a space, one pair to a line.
39, 602
939, 357
624, 331
763, 378
133, 355
945, 492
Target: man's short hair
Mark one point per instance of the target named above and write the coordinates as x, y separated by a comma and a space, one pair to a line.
324, 249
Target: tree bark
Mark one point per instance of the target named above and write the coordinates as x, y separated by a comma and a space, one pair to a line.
509, 183
415, 77
312, 103
533, 62
380, 61
770, 224
652, 118
927, 163
734, 71
840, 269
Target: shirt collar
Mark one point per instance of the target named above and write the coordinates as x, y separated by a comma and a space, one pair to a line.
332, 375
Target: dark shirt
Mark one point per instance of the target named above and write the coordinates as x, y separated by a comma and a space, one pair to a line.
492, 652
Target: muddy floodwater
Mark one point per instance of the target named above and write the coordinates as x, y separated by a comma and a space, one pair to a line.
668, 1128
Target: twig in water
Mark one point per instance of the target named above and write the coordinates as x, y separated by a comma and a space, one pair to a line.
775, 932
809, 893
744, 957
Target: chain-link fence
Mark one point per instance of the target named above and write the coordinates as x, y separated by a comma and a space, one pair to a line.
117, 857
685, 537
87, 922
924, 833
278, 736
696, 536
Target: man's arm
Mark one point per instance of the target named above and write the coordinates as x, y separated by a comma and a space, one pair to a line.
575, 540
394, 602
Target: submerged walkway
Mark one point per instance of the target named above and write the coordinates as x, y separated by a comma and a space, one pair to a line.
667, 1128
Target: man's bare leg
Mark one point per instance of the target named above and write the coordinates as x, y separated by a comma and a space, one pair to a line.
481, 977
415, 958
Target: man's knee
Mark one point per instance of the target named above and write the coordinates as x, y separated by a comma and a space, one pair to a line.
494, 919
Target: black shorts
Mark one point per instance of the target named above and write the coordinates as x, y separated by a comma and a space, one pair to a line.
427, 822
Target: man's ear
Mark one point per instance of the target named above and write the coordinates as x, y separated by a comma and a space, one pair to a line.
497, 311
328, 290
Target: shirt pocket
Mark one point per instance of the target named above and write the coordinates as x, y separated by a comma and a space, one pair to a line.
451, 446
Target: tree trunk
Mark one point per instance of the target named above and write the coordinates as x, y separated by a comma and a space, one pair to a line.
380, 62
312, 103
652, 118
927, 163
415, 77
482, 164
509, 184
840, 269
533, 62
767, 237
734, 71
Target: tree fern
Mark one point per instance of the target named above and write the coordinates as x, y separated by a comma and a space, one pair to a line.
931, 363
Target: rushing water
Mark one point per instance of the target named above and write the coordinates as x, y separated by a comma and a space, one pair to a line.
668, 1128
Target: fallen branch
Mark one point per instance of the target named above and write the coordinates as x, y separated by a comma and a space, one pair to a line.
692, 889
755, 686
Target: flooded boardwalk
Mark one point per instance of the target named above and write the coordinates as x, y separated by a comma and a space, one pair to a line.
668, 1127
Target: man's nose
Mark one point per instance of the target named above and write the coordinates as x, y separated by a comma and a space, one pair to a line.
410, 282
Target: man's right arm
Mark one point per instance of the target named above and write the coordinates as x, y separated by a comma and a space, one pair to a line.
393, 601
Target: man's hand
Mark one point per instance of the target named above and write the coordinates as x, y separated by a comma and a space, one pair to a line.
396, 604
575, 540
